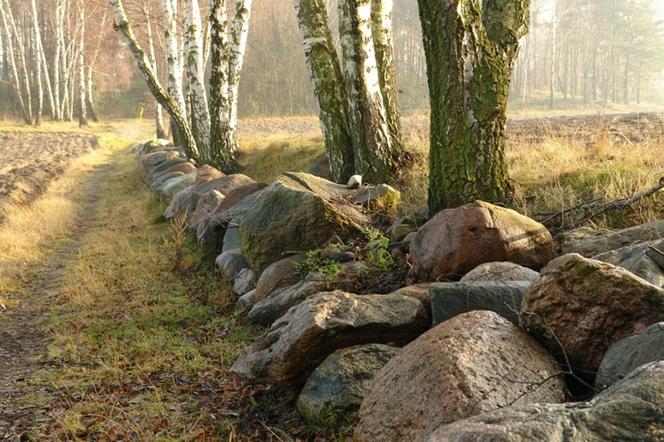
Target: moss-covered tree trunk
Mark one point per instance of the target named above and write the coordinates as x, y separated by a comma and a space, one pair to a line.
470, 47
144, 65
328, 86
374, 149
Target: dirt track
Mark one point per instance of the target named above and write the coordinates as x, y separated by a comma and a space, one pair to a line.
30, 160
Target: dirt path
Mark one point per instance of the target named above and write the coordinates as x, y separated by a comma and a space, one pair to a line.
23, 334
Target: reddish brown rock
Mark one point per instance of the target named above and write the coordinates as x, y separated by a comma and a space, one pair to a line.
586, 305
207, 173
455, 241
471, 364
238, 194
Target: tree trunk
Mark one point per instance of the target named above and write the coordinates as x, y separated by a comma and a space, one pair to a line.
82, 107
21, 44
328, 86
200, 116
11, 58
174, 64
122, 24
554, 53
375, 155
223, 147
238, 47
89, 94
381, 20
469, 50
159, 115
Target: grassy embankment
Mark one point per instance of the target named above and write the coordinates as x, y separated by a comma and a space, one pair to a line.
137, 352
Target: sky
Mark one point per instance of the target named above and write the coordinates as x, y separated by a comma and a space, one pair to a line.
660, 8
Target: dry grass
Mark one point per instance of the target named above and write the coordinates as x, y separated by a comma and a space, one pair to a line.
138, 352
556, 174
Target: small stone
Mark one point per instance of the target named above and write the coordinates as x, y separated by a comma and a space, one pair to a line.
355, 182
245, 281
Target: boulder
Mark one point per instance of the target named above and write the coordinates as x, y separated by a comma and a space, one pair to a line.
231, 263
187, 201
277, 275
417, 291
185, 167
584, 306
500, 271
239, 193
455, 241
629, 353
333, 392
638, 259
245, 281
224, 184
307, 334
379, 198
588, 242
245, 301
471, 364
632, 410
161, 167
151, 160
156, 184
183, 202
231, 237
451, 299
277, 303
173, 186
207, 203
296, 213
207, 173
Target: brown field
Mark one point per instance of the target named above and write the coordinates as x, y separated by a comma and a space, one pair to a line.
31, 160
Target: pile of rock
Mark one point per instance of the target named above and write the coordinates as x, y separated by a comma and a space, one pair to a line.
478, 346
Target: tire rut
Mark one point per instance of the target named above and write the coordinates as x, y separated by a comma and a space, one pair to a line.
24, 336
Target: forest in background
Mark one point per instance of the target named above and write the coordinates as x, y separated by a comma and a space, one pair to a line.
603, 52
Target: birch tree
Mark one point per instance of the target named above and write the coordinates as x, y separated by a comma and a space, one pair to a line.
328, 85
159, 116
82, 105
194, 67
470, 47
227, 49
11, 59
361, 126
173, 62
144, 65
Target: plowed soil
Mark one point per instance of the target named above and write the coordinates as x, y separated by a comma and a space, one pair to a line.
29, 161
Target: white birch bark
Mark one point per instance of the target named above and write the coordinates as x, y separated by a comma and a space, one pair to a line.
158, 109
82, 105
20, 46
193, 42
57, 77
122, 24
11, 59
223, 142
238, 47
367, 115
173, 60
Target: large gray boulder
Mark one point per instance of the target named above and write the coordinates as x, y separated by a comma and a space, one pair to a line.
638, 259
455, 241
451, 299
277, 303
579, 307
588, 242
333, 392
308, 333
174, 185
632, 410
473, 363
296, 213
630, 353
500, 271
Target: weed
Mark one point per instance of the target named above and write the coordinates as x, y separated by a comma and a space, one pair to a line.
315, 262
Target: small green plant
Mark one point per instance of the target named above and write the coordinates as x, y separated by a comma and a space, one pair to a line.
377, 252
314, 262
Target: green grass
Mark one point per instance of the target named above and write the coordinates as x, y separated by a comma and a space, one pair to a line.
133, 341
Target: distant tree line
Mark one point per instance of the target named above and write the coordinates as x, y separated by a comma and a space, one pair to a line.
46, 68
